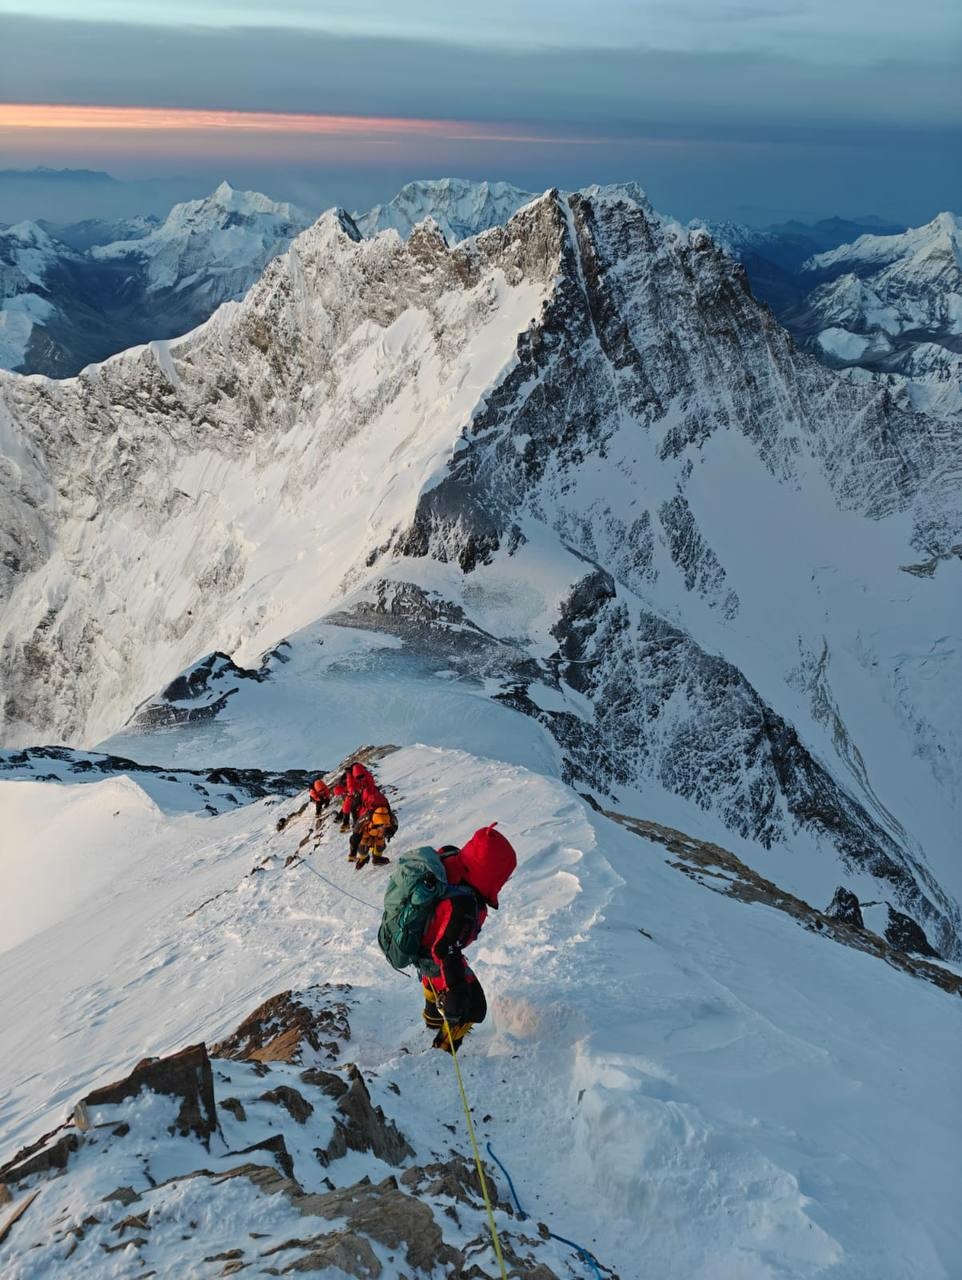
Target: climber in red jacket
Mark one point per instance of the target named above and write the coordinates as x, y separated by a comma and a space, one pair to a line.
349, 789
320, 794
450, 987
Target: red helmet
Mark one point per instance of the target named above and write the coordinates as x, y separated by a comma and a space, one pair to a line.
487, 861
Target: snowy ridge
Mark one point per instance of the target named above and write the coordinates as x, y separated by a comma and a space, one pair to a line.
460, 207
63, 305
544, 441
653, 1092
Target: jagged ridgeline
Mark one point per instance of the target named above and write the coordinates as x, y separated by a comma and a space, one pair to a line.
574, 456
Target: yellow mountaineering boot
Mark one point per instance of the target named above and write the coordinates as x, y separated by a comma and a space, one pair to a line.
443, 1041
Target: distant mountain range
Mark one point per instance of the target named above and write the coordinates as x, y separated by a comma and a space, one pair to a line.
861, 293
77, 294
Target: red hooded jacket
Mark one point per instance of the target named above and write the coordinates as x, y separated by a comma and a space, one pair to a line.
485, 863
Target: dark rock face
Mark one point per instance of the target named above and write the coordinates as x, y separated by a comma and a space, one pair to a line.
185, 1075
906, 935
294, 1103
384, 1213
844, 906
193, 694
63, 764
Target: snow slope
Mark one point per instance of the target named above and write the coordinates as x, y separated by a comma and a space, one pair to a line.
691, 1086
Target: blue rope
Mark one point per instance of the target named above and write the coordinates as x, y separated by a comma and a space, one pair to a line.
580, 1250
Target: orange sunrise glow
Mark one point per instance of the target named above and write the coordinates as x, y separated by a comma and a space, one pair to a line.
57, 116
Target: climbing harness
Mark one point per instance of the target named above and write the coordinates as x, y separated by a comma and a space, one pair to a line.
582, 1252
474, 1142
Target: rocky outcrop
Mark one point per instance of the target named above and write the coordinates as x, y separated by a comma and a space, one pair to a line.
845, 907
185, 1075
905, 934
289, 1025
360, 1126
430, 1217
215, 789
721, 871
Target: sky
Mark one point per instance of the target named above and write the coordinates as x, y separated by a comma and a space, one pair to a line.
754, 110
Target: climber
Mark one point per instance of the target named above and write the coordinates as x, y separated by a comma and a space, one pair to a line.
434, 907
350, 787
320, 794
374, 826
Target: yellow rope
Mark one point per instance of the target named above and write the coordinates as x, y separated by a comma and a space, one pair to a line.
474, 1141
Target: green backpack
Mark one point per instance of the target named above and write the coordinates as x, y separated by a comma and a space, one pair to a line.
417, 884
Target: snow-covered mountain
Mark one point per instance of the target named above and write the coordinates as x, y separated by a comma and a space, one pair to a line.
884, 290
572, 456
888, 303
561, 513
207, 251
459, 206
67, 303
96, 231
34, 268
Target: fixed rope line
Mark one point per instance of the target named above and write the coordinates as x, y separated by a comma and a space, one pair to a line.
581, 1251
474, 1142
346, 892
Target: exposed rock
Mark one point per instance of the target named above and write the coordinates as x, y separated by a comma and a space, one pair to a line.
125, 1196
278, 1149
384, 1213
703, 861
185, 1075
284, 1026
334, 1086
133, 1222
64, 764
235, 1107
844, 906
363, 1127
46, 1160
344, 1250
456, 1178
293, 1102
906, 935
16, 1214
